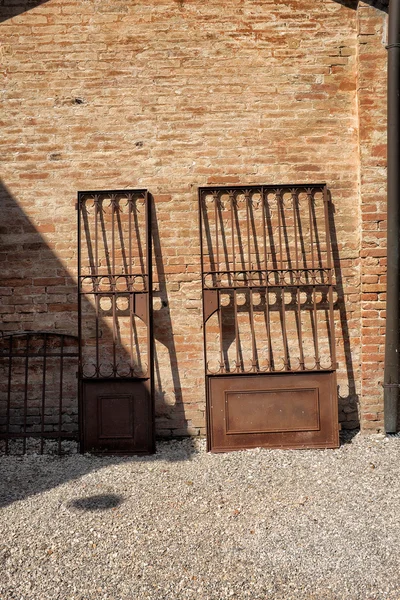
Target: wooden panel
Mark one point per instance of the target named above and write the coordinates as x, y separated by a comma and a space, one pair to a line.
273, 411
117, 417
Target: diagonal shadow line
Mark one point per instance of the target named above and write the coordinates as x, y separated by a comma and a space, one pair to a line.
30, 257
341, 305
8, 9
163, 331
353, 4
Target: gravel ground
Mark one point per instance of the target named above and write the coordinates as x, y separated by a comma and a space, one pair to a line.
186, 524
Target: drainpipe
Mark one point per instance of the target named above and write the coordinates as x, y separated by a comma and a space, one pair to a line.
391, 377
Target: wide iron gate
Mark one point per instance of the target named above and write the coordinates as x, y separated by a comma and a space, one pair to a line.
115, 321
268, 306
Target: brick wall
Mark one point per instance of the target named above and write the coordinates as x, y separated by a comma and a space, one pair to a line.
372, 32
171, 95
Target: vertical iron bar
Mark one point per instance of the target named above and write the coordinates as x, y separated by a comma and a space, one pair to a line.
114, 295
282, 283
96, 234
149, 286
216, 200
330, 282
97, 311
295, 199
201, 209
26, 391
130, 284
130, 208
10, 348
315, 320
96, 282
150, 333
221, 347
80, 374
247, 199
79, 209
113, 208
60, 401
235, 311
131, 323
267, 317
253, 335
43, 390
114, 328
247, 196
231, 202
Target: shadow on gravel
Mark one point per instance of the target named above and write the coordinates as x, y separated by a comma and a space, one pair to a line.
25, 476
96, 503
346, 435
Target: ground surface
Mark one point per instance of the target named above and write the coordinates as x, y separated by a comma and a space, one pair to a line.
261, 524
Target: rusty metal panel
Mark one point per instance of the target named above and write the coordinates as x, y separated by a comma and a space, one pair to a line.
275, 410
272, 409
115, 318
268, 291
38, 392
117, 417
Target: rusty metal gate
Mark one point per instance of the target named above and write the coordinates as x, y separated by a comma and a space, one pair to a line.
38, 393
268, 300
115, 322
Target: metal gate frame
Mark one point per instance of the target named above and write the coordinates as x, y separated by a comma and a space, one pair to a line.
127, 392
30, 353
279, 387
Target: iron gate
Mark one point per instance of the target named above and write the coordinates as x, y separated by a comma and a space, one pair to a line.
38, 393
268, 300
115, 321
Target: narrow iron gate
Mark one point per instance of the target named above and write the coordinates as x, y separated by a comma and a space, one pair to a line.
38, 393
115, 322
268, 299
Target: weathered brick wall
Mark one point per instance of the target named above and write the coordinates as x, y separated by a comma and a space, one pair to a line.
372, 32
171, 95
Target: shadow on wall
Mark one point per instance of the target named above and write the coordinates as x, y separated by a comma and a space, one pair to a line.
379, 4
163, 333
349, 401
39, 294
8, 9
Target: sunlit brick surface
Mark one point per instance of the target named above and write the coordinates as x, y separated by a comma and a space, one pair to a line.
172, 95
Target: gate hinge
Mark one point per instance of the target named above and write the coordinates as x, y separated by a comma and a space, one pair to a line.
76, 206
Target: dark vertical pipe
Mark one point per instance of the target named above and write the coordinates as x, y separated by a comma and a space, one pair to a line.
391, 377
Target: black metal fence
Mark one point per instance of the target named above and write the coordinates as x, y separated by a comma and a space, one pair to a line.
38, 393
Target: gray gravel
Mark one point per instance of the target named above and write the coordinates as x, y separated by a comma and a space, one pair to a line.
260, 524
